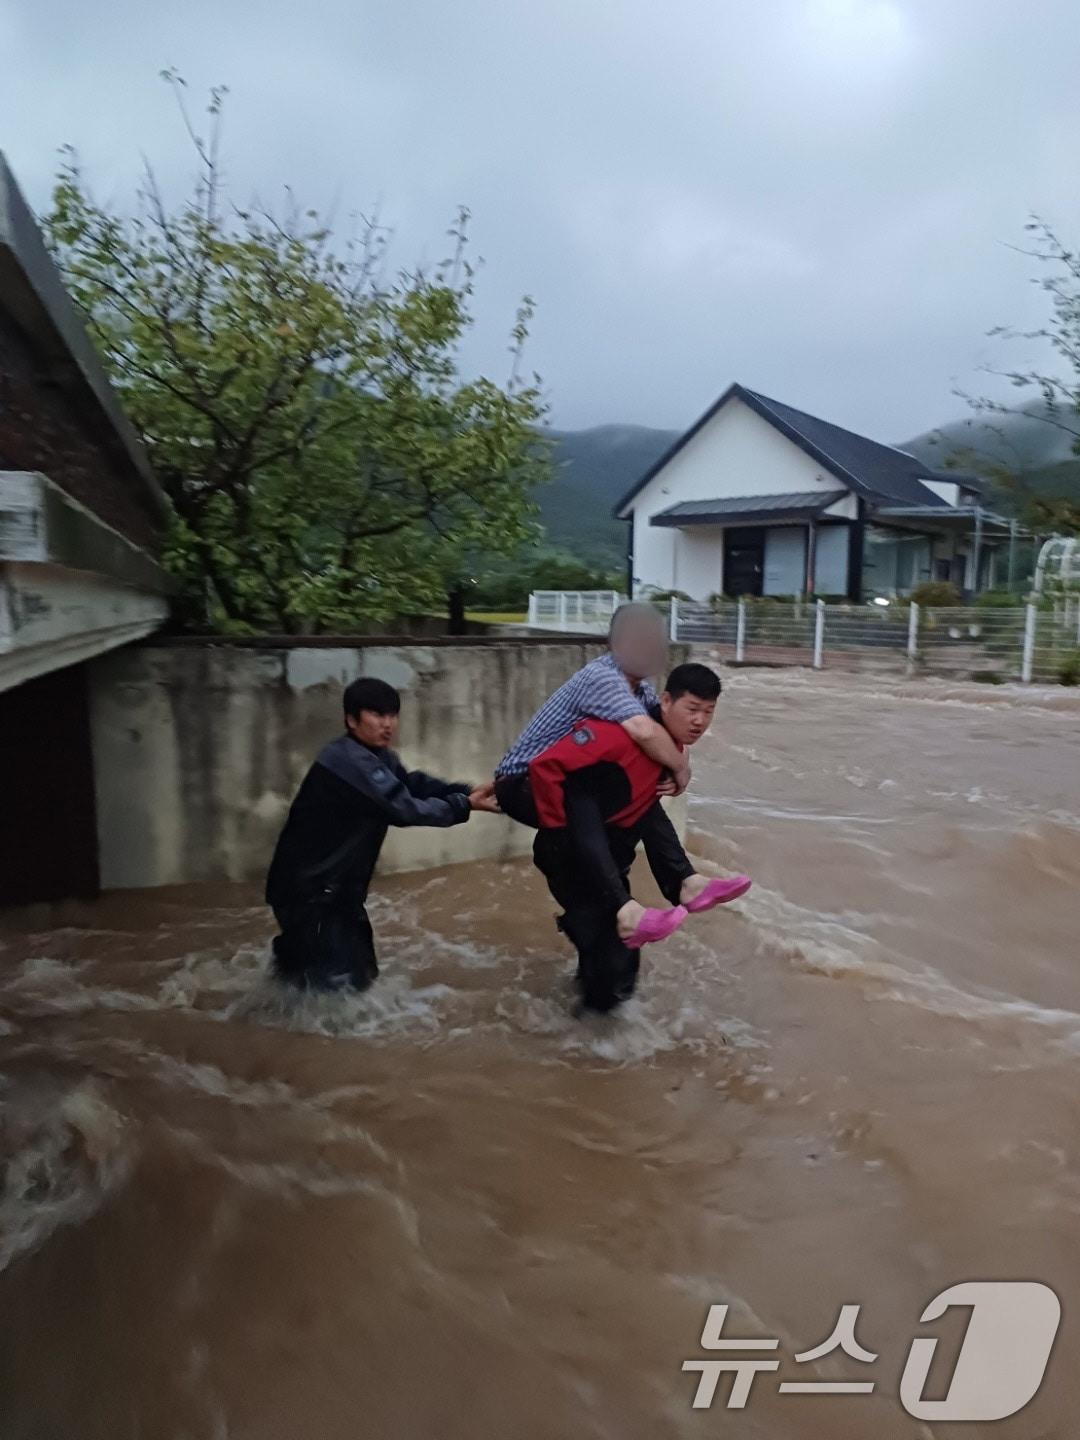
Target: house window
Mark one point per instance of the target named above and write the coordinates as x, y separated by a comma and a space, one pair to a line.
894, 563
785, 560
831, 560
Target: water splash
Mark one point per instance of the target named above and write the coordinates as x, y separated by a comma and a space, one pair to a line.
64, 1152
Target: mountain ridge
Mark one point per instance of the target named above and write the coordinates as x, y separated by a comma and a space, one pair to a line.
594, 467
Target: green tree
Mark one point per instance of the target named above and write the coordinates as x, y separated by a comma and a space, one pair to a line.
325, 460
506, 583
1058, 388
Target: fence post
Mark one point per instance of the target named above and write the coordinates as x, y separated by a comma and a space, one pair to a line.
740, 631
912, 637
819, 634
532, 608
1027, 664
673, 620
562, 609
1078, 620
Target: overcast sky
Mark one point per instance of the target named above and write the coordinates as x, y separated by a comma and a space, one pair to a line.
815, 197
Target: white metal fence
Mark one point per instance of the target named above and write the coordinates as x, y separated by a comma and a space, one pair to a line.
583, 611
1034, 642
1024, 642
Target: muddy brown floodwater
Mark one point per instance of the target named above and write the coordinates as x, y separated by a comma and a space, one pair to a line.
448, 1209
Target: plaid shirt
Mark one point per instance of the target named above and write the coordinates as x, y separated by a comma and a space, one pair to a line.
598, 689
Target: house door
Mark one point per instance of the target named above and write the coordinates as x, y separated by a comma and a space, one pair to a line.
744, 561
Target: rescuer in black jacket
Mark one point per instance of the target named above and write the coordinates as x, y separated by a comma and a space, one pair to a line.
326, 853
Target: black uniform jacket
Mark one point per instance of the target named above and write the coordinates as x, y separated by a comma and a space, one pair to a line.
338, 821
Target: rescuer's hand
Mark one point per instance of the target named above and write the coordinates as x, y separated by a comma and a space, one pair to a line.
483, 798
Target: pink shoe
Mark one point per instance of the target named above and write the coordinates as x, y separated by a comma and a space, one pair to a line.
719, 892
655, 925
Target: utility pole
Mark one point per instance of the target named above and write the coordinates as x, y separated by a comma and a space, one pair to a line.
976, 553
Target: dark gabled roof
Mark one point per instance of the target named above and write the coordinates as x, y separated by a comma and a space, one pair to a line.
33, 294
748, 508
875, 472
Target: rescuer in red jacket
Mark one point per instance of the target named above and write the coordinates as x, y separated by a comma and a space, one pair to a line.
595, 794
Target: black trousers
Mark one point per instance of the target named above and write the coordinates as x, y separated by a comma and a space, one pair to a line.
591, 798
587, 869
324, 946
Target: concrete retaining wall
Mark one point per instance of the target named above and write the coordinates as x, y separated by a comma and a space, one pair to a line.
198, 749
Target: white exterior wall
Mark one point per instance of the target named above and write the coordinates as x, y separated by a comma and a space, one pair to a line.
846, 508
699, 560
735, 453
654, 553
945, 490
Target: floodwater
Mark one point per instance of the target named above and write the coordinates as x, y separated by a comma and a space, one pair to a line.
449, 1209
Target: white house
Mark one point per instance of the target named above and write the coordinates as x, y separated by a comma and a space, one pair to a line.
758, 498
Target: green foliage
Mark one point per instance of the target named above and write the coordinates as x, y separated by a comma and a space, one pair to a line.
1068, 670
506, 582
323, 457
998, 600
664, 597
1042, 505
939, 593
591, 471
498, 617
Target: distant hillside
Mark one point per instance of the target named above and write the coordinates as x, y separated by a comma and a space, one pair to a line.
1027, 444
593, 469
1024, 441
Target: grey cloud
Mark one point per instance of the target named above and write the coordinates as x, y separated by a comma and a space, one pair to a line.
814, 196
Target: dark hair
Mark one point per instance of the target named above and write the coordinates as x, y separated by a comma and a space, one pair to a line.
368, 693
696, 680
